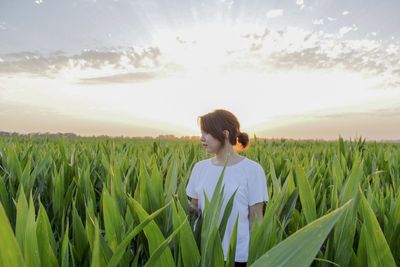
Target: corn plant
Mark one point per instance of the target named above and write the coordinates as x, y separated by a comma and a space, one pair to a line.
122, 202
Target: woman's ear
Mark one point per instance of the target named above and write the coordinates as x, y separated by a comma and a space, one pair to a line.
226, 134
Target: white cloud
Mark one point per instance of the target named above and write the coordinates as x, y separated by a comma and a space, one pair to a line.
393, 49
88, 62
345, 13
373, 35
344, 30
300, 3
318, 22
262, 49
274, 13
38, 2
363, 45
229, 4
331, 19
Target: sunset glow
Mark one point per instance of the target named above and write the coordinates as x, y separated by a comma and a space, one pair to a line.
317, 75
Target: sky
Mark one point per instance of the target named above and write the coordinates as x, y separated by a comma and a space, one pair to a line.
287, 69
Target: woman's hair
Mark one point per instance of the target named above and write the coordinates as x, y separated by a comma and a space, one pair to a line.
219, 120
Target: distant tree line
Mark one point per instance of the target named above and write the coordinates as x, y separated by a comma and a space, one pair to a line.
37, 134
159, 137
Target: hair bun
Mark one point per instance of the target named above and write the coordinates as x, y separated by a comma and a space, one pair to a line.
243, 139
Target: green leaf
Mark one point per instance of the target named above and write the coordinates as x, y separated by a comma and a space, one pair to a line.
377, 248
226, 214
65, 249
4, 199
153, 234
80, 238
263, 236
172, 177
361, 250
393, 229
58, 192
95, 262
275, 181
306, 195
31, 248
230, 261
187, 244
10, 253
113, 221
120, 250
22, 216
155, 256
46, 239
345, 229
299, 249
211, 247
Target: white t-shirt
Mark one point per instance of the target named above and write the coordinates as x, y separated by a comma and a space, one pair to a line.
249, 177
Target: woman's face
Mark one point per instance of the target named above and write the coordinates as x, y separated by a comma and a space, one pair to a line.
210, 144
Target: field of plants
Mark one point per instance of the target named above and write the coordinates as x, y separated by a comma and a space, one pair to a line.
122, 202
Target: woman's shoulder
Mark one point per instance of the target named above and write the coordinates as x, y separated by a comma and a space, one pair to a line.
253, 164
201, 164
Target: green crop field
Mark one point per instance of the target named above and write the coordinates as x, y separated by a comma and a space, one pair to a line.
122, 202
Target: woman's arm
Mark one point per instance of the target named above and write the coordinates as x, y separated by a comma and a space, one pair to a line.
256, 213
194, 203
194, 207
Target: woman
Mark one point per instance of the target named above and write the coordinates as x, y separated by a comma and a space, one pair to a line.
220, 135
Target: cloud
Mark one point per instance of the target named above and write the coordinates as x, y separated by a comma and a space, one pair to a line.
376, 113
287, 49
376, 124
376, 127
300, 3
294, 48
345, 13
38, 2
346, 29
228, 3
3, 26
122, 78
331, 19
119, 60
318, 22
274, 13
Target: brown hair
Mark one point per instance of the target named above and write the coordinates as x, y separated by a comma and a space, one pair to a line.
219, 120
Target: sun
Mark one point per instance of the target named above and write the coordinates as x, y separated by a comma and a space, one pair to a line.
203, 47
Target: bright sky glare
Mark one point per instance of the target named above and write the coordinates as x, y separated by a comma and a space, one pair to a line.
294, 69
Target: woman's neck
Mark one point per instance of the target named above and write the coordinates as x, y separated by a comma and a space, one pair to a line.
227, 151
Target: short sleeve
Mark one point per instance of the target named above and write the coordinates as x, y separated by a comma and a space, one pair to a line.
257, 187
191, 186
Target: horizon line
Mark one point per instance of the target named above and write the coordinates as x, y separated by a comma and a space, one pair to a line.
180, 137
